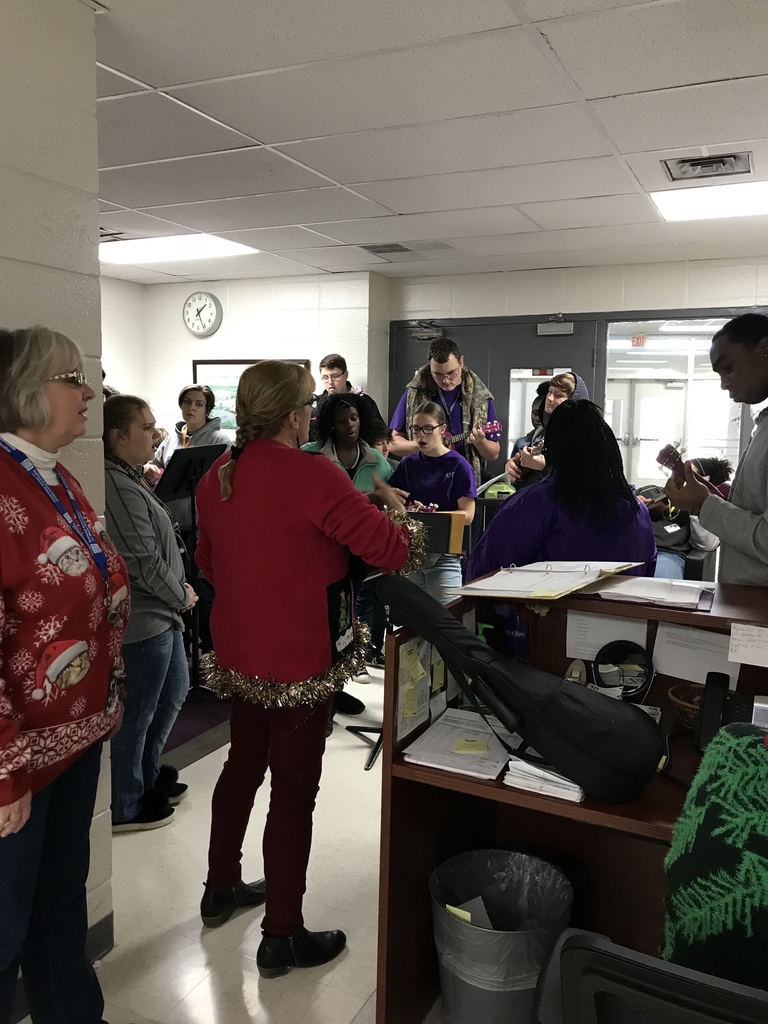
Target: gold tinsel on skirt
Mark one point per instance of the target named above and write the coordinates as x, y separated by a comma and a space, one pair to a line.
270, 693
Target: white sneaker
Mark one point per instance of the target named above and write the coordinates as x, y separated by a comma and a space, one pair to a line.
363, 676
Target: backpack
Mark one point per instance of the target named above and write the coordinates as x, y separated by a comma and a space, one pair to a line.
609, 748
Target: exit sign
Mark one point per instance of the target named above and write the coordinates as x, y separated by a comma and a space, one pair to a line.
638, 341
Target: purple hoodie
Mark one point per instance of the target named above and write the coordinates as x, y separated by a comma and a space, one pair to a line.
531, 527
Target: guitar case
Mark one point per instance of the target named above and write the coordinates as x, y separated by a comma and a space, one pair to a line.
609, 748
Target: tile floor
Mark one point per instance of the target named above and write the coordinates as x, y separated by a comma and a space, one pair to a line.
166, 968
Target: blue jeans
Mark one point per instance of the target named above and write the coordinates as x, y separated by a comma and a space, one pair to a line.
445, 574
44, 918
157, 680
670, 566
367, 612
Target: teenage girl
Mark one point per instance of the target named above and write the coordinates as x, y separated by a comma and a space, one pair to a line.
435, 475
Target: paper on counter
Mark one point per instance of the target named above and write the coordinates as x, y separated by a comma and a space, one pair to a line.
586, 633
688, 653
749, 645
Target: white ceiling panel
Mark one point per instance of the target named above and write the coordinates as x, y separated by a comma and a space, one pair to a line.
460, 144
588, 257
598, 211
243, 172
438, 268
275, 239
138, 274
110, 84
703, 115
597, 176
163, 44
138, 225
150, 126
563, 241
648, 169
722, 250
729, 229
661, 46
339, 258
451, 223
202, 269
491, 72
104, 206
542, 10
279, 209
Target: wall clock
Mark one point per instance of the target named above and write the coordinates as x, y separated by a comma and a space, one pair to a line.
202, 314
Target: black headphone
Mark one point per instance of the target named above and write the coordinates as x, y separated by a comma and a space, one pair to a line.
625, 664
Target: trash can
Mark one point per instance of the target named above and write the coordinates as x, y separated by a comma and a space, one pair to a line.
488, 972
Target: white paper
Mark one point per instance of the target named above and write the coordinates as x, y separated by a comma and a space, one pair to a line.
411, 693
672, 593
687, 653
749, 645
585, 634
435, 747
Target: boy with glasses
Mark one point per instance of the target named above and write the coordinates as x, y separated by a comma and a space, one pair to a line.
335, 380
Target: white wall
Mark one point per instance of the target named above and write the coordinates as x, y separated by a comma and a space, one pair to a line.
711, 283
123, 332
48, 232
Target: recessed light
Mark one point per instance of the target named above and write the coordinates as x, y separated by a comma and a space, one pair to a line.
171, 249
710, 202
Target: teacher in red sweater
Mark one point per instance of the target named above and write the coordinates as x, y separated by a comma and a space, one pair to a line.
276, 529
63, 607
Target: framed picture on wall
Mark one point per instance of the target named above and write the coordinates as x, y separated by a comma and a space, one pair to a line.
222, 377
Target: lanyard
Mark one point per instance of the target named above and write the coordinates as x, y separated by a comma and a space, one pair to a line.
441, 398
81, 527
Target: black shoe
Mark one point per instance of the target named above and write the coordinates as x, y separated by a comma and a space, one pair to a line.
277, 954
218, 905
345, 704
167, 782
155, 812
374, 658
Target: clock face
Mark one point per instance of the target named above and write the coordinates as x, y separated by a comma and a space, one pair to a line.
202, 313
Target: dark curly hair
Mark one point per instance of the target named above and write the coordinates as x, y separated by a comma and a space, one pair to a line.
326, 420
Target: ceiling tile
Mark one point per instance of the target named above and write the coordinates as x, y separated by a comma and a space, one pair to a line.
460, 144
427, 84
661, 46
563, 241
110, 84
150, 126
542, 10
202, 269
280, 209
703, 115
729, 229
597, 211
451, 223
444, 268
104, 206
648, 169
596, 176
138, 274
718, 250
138, 225
340, 257
244, 172
153, 41
274, 239
588, 257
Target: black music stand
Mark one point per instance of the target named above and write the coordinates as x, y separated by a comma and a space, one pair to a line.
185, 470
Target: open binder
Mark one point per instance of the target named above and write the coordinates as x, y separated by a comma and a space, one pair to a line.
544, 580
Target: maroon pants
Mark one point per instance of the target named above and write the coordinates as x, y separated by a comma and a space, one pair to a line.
290, 742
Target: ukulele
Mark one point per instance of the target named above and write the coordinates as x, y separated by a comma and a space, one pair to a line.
449, 440
670, 458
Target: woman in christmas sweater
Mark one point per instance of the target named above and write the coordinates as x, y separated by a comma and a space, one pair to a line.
63, 603
277, 526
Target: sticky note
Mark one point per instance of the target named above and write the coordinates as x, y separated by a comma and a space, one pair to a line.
463, 915
413, 666
410, 701
438, 674
749, 645
467, 746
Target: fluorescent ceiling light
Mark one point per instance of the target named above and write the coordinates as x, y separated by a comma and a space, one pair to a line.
692, 328
710, 202
170, 249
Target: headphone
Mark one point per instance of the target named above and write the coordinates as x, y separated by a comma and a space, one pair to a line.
625, 668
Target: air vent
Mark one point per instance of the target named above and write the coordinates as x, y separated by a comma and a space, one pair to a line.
723, 165
385, 250
108, 235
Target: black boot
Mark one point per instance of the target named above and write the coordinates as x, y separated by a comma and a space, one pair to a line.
277, 954
167, 782
219, 904
345, 704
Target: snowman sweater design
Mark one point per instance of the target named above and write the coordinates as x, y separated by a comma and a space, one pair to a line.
57, 647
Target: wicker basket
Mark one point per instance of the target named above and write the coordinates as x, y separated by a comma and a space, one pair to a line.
685, 699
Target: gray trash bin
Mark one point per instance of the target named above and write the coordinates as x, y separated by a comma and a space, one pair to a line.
488, 976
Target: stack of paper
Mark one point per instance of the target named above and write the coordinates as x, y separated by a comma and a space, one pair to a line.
641, 589
544, 580
537, 779
460, 741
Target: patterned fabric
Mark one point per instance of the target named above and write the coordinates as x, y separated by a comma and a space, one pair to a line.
717, 866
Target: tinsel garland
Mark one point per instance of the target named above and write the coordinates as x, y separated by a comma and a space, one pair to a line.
270, 693
417, 555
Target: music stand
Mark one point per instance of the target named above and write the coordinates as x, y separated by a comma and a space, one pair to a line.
185, 470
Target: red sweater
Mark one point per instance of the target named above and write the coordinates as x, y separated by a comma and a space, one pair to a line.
277, 552
57, 649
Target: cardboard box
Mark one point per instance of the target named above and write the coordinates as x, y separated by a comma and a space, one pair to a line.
445, 531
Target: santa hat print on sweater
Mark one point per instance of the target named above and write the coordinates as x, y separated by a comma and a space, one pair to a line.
53, 544
57, 658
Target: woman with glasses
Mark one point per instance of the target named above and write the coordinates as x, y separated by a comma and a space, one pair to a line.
334, 377
436, 476
277, 527
63, 605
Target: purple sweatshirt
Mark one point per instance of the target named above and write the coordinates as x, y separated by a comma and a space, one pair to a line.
531, 527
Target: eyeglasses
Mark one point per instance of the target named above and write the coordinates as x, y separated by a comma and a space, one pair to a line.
326, 378
75, 378
447, 376
427, 431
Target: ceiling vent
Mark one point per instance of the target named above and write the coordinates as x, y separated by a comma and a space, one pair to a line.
723, 165
108, 235
385, 250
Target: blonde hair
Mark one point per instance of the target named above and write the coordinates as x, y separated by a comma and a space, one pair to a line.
564, 382
29, 357
267, 393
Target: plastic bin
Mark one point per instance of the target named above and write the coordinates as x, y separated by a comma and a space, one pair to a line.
488, 976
